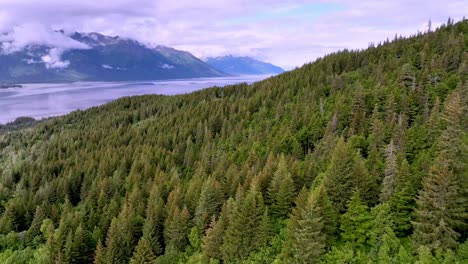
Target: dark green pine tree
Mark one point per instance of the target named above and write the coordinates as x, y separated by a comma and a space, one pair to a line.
301, 203
403, 201
382, 240
356, 222
143, 253
440, 208
265, 230
242, 234
83, 244
308, 239
281, 191
39, 216
120, 240
176, 230
452, 142
389, 181
153, 225
70, 254
339, 179
382, 220
209, 202
403, 204
327, 213
213, 239
311, 228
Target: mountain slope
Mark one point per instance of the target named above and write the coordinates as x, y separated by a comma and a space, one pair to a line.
243, 66
358, 157
101, 58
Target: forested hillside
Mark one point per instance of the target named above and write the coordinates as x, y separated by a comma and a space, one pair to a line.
358, 157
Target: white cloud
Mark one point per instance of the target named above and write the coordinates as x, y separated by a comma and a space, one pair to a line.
37, 34
285, 32
167, 66
53, 59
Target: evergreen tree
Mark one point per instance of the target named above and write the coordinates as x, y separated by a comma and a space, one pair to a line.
176, 230
328, 214
439, 208
143, 253
308, 239
99, 257
338, 178
265, 231
210, 197
402, 204
425, 256
82, 245
355, 222
153, 225
281, 191
389, 181
241, 235
213, 239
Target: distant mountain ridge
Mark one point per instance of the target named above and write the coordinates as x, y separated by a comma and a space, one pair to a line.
101, 58
242, 65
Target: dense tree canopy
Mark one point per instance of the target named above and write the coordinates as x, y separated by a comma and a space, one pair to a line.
359, 156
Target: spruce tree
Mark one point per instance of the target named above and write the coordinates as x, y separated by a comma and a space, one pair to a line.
440, 208
355, 222
143, 253
176, 230
99, 256
311, 227
209, 202
309, 242
389, 181
153, 225
338, 178
241, 236
281, 191
213, 239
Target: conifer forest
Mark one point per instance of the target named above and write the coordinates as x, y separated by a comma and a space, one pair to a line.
358, 157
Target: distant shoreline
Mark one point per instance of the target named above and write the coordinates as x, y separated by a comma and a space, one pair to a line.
6, 86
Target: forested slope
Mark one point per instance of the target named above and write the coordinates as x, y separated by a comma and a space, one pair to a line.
359, 157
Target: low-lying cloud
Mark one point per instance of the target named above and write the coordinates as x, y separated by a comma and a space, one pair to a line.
36, 34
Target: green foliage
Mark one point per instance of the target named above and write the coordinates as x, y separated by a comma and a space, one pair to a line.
281, 191
355, 222
440, 208
143, 253
261, 173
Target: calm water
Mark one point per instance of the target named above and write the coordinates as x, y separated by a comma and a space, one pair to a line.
45, 100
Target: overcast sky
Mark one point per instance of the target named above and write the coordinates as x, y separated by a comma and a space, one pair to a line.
288, 33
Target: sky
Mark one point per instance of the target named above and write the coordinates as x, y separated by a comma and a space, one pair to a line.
287, 33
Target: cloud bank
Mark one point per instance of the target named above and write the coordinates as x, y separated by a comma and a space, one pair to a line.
284, 32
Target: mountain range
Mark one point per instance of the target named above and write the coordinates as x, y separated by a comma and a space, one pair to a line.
97, 57
242, 65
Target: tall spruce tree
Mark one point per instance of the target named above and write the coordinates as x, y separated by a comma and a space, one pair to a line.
440, 208
338, 178
389, 181
356, 222
143, 253
281, 190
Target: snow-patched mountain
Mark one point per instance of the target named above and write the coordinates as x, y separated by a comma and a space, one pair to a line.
96, 57
242, 65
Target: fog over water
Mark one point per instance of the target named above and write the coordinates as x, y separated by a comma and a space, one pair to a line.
53, 99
